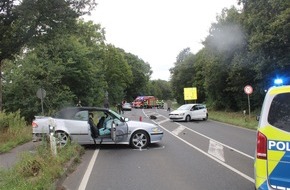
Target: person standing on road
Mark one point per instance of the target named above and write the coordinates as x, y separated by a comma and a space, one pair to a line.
168, 105
119, 107
79, 104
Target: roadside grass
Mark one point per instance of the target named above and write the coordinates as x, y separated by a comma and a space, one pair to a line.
40, 169
234, 118
35, 170
13, 131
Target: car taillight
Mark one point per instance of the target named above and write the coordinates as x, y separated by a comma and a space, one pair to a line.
34, 125
261, 146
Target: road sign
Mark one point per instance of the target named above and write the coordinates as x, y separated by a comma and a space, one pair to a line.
248, 89
41, 93
190, 93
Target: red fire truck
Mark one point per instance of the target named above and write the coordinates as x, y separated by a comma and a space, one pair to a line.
145, 102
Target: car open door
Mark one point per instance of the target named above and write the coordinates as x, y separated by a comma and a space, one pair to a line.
119, 130
113, 131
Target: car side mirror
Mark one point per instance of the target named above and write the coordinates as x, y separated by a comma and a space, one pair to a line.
257, 117
124, 119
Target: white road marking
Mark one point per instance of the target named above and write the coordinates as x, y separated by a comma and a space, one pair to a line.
178, 130
209, 155
216, 149
163, 121
240, 152
88, 171
212, 157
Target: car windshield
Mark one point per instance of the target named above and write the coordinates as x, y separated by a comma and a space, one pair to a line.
115, 115
185, 107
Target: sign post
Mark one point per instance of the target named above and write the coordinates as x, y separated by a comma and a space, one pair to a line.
248, 90
41, 93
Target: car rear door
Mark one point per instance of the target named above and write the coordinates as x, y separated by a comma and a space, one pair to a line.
202, 111
278, 136
198, 112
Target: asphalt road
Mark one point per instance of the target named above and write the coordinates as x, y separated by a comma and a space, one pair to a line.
192, 156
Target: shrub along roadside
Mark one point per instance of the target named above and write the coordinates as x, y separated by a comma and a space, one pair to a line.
39, 170
13, 131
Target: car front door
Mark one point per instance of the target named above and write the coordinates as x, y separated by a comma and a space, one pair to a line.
119, 130
194, 112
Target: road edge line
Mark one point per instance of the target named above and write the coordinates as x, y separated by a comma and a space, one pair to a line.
88, 172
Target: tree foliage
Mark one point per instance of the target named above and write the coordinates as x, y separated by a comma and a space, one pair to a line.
244, 47
27, 22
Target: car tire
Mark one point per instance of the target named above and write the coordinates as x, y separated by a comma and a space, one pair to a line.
205, 117
139, 140
62, 138
187, 118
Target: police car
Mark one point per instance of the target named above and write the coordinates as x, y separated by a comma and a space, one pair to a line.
272, 159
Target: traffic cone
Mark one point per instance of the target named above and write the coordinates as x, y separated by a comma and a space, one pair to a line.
140, 118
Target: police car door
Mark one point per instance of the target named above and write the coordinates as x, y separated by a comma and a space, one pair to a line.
278, 136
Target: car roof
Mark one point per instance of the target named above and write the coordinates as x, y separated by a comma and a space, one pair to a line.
194, 104
71, 111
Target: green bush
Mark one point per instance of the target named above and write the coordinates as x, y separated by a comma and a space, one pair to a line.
11, 121
13, 131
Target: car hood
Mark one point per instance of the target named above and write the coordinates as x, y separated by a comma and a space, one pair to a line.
178, 111
140, 124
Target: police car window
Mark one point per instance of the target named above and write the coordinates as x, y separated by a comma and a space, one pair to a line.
279, 113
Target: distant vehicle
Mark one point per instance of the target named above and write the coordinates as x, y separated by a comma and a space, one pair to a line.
272, 157
160, 104
188, 112
145, 102
127, 107
76, 125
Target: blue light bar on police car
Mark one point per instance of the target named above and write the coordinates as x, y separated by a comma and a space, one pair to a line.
278, 82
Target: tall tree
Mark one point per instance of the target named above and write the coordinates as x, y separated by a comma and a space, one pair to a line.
141, 72
117, 72
69, 68
161, 89
268, 25
27, 21
182, 74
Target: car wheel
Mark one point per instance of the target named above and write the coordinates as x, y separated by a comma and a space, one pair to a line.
187, 118
205, 117
62, 138
139, 139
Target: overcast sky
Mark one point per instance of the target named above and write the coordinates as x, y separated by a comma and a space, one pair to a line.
157, 30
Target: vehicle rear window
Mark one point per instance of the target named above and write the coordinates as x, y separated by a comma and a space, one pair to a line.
279, 113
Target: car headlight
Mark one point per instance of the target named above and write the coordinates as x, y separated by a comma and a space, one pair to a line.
155, 129
181, 114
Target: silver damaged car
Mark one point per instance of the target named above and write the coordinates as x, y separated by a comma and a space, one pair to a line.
92, 125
